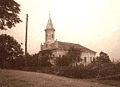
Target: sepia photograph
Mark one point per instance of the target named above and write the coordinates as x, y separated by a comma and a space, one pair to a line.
59, 43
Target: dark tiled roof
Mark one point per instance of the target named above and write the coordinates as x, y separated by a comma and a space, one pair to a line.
67, 46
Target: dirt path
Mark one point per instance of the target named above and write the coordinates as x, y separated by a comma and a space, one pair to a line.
14, 78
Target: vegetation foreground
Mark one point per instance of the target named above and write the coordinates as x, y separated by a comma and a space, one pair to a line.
15, 78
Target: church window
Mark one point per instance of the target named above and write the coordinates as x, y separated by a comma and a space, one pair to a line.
85, 59
90, 59
53, 55
59, 55
93, 59
52, 36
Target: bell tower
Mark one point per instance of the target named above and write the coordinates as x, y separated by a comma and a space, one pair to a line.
49, 32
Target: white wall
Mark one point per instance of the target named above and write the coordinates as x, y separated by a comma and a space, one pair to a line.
89, 56
58, 53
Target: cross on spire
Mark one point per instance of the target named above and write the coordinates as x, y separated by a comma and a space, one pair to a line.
49, 15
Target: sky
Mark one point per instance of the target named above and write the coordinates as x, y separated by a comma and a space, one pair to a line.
92, 23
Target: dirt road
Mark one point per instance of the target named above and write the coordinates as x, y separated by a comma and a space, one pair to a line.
14, 78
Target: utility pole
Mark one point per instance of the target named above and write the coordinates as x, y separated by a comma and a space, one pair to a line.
26, 39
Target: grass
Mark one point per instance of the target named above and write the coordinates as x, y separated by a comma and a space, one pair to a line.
111, 82
114, 83
16, 78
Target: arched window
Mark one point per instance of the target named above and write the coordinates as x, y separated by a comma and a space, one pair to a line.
90, 59
85, 59
53, 55
52, 36
93, 59
60, 56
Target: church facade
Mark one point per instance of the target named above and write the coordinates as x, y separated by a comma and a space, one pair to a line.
59, 48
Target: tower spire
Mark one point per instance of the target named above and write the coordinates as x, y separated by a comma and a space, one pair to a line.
49, 31
49, 24
49, 15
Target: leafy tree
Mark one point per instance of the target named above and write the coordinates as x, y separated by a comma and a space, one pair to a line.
9, 10
101, 65
73, 57
18, 63
44, 58
9, 49
103, 58
32, 60
63, 61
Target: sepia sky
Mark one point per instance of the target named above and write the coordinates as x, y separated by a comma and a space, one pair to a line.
92, 23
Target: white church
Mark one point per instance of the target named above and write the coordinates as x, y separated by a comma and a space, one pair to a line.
59, 48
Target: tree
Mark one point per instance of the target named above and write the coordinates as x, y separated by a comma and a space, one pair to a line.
73, 57
102, 64
63, 61
32, 60
10, 49
44, 58
9, 10
103, 58
18, 63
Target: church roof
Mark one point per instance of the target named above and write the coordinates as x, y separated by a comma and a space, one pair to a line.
49, 24
67, 46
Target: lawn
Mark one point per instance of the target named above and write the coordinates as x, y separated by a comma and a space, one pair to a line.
16, 78
114, 83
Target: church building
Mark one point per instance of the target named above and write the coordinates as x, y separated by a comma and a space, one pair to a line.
59, 48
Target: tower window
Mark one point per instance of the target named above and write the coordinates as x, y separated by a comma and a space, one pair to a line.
85, 59
52, 36
53, 55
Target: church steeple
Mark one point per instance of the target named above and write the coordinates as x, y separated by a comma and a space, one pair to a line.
49, 32
49, 24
